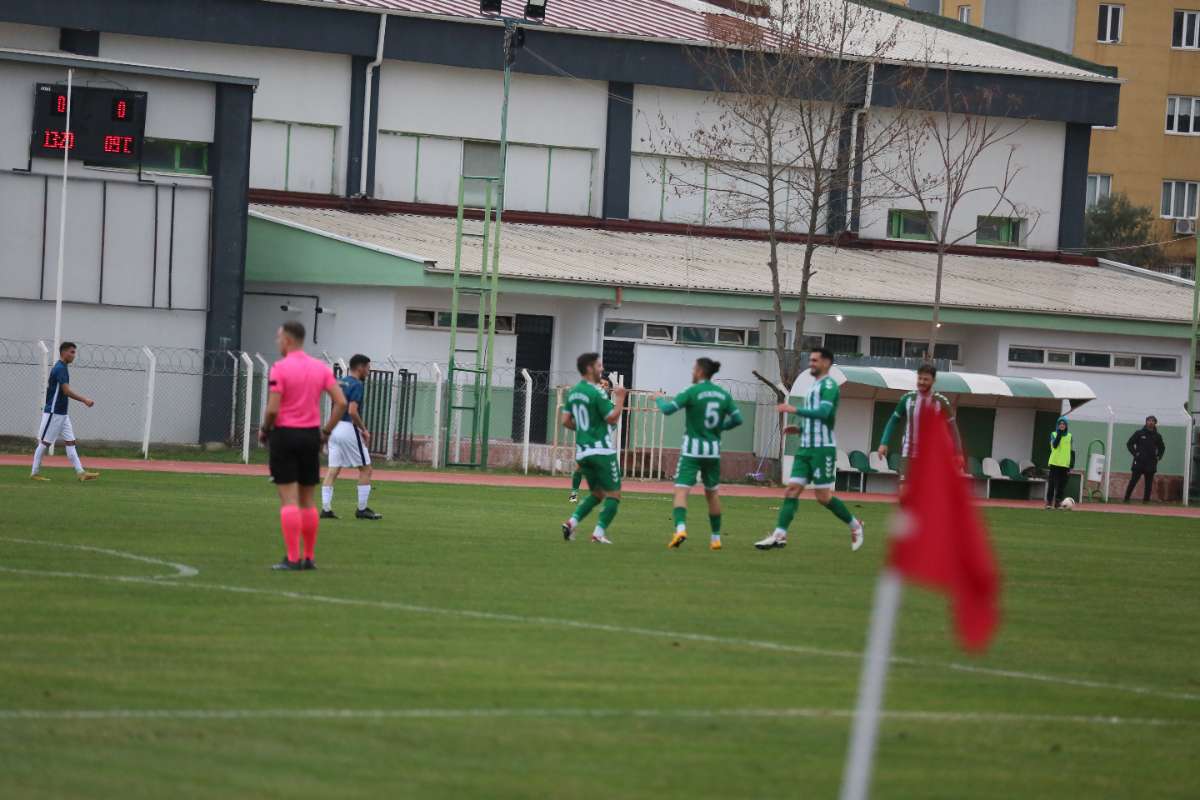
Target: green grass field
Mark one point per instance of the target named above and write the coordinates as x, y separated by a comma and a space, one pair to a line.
461, 649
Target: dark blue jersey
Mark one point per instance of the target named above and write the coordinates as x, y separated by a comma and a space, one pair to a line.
56, 401
352, 387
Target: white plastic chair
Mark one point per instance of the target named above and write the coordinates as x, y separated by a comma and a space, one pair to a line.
844, 465
879, 463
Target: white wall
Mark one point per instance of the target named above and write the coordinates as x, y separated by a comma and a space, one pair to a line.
1037, 149
445, 105
308, 93
1012, 433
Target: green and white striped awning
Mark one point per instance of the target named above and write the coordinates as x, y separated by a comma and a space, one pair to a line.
905, 380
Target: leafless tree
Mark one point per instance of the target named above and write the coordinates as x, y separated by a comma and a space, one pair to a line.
936, 163
765, 152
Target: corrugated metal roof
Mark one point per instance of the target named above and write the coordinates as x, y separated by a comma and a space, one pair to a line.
691, 263
688, 21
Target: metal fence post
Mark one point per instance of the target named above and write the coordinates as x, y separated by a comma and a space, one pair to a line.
233, 398
248, 363
437, 415
266, 385
393, 410
1187, 459
528, 417
151, 369
1108, 453
41, 396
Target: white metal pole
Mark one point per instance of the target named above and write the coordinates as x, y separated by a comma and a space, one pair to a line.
864, 729
62, 218
233, 397
41, 395
1108, 453
1187, 460
151, 370
437, 416
528, 416
248, 363
266, 385
393, 412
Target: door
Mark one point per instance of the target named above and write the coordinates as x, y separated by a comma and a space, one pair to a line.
535, 338
618, 360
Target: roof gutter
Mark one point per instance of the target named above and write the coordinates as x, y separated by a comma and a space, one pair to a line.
370, 87
854, 125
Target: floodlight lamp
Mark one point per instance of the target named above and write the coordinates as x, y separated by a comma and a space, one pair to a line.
535, 9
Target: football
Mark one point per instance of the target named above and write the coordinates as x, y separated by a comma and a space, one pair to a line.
1068, 503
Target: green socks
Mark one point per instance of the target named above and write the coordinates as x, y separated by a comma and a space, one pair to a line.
576, 479
787, 512
608, 513
585, 507
840, 511
679, 514
715, 521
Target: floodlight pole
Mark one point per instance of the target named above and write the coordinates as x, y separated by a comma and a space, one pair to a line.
1191, 405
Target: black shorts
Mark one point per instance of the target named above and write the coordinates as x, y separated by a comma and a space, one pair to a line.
296, 456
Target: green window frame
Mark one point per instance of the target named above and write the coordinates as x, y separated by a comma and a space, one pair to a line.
908, 224
1004, 231
174, 155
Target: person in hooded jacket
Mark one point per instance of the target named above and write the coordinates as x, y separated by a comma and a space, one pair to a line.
1060, 462
1147, 448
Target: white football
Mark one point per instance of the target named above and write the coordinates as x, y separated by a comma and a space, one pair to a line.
1068, 503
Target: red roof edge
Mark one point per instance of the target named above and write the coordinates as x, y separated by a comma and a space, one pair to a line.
847, 240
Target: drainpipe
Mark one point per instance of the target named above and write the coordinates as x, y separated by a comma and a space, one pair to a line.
599, 338
366, 124
858, 113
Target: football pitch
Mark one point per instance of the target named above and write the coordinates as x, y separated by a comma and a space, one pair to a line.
460, 649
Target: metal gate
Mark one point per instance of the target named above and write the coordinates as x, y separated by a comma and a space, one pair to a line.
389, 403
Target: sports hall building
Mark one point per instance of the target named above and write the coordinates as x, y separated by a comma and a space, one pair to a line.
360, 117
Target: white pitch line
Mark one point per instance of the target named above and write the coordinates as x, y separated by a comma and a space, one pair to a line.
495, 616
181, 570
569, 713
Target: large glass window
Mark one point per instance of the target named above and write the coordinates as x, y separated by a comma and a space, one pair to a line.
842, 343
1026, 355
1109, 23
941, 351
998, 231
1179, 199
1098, 188
964, 14
1183, 114
1186, 30
886, 347
1159, 364
1093, 360
623, 330
697, 334
173, 155
906, 224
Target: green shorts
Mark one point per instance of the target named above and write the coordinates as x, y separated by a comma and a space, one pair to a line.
602, 472
814, 466
709, 470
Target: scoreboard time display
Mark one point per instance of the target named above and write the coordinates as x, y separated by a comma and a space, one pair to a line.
107, 125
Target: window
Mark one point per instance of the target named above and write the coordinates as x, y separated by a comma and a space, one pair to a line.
941, 351
696, 334
1026, 355
1186, 31
1124, 362
623, 330
842, 344
886, 347
811, 341
415, 318
1179, 199
1093, 360
904, 224
1098, 188
964, 14
1183, 115
753, 338
479, 159
1108, 25
170, 155
1160, 364
1058, 357
998, 231
662, 332
731, 336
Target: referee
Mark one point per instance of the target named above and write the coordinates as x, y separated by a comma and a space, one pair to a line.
292, 426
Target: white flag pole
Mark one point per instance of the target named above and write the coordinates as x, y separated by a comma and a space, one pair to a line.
864, 729
62, 219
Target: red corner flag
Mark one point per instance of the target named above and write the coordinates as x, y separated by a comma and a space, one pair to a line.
941, 541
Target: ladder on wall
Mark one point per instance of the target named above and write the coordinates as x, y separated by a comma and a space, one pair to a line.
469, 378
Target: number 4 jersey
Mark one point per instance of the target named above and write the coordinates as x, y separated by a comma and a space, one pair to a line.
709, 410
589, 406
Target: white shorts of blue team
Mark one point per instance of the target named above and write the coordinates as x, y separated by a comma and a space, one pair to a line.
346, 447
55, 427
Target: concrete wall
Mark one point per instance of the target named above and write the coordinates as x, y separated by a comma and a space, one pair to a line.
1047, 24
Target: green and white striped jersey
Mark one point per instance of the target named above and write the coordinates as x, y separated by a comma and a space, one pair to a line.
816, 432
589, 406
708, 410
911, 410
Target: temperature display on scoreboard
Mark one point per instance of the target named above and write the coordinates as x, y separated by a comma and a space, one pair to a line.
107, 125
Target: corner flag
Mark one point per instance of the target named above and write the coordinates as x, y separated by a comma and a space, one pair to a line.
938, 541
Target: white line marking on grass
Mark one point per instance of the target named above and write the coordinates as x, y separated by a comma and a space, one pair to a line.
496, 616
181, 570
569, 713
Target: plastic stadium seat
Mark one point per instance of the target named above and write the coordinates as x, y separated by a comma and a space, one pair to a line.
1027, 465
894, 461
879, 464
859, 460
991, 469
975, 467
1011, 470
844, 465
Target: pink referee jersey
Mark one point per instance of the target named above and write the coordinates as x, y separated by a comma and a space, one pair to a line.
299, 379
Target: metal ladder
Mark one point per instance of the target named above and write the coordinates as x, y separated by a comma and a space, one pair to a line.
469, 378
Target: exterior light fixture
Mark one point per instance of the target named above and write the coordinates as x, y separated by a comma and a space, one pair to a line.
838, 317
535, 10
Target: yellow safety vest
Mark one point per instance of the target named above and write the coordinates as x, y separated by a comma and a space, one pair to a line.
1060, 456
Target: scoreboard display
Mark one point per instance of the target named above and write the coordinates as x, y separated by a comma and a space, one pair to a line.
107, 125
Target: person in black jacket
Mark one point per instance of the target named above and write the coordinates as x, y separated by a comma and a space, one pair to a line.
1147, 447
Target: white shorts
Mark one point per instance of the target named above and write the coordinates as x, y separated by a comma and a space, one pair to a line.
55, 427
346, 447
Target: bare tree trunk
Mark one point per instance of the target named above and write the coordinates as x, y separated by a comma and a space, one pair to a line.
937, 304
810, 247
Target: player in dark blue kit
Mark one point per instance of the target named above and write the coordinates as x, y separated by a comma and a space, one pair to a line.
350, 442
56, 423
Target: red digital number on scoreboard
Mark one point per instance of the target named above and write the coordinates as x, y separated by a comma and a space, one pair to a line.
118, 144
59, 140
120, 109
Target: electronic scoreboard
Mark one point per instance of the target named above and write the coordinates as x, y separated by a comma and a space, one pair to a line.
107, 125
